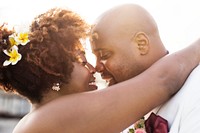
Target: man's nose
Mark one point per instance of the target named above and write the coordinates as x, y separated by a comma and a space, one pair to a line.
99, 67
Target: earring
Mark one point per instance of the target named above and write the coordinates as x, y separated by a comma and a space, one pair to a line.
56, 87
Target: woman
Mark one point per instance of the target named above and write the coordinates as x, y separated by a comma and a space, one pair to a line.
50, 70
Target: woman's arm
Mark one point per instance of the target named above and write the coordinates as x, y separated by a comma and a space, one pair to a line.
113, 109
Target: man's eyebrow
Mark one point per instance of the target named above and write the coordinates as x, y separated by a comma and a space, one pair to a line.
94, 36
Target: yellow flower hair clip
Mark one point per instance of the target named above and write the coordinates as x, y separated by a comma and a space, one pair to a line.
13, 54
15, 40
21, 38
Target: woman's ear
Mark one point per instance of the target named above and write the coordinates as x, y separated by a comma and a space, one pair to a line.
142, 41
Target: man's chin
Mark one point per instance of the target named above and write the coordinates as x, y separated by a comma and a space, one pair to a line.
111, 82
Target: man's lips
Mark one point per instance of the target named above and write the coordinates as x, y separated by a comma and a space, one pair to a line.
109, 79
106, 77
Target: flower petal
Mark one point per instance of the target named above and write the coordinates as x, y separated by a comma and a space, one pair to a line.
6, 52
6, 63
22, 38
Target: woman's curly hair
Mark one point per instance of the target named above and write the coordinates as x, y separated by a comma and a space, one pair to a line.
55, 37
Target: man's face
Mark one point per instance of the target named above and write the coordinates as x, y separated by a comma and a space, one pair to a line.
118, 58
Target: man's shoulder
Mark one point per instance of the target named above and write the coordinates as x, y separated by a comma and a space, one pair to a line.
186, 97
190, 87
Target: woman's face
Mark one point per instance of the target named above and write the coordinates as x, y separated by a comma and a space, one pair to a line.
82, 78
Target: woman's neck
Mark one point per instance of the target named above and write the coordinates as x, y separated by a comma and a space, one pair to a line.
48, 97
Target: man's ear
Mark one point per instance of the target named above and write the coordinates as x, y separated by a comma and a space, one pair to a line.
142, 42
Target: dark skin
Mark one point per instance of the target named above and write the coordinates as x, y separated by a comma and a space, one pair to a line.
113, 104
125, 46
73, 110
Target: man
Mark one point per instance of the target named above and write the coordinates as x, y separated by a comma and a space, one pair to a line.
126, 41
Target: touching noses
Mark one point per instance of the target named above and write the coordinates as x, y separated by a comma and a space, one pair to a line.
99, 67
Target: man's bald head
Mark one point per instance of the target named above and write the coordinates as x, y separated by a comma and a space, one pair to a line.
126, 40
127, 19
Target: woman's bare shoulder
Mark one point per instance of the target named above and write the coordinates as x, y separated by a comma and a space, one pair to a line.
33, 122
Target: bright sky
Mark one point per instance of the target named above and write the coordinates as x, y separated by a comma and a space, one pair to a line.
178, 20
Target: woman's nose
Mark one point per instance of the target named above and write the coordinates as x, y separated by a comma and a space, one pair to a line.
90, 68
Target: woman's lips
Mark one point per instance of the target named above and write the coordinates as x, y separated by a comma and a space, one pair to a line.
92, 86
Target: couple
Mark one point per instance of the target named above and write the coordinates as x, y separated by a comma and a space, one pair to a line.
48, 67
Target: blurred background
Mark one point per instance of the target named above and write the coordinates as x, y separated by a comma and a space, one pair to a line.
178, 22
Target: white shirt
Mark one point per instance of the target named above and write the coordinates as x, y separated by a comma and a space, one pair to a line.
182, 111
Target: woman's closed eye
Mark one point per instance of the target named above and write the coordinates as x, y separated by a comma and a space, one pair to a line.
81, 58
84, 63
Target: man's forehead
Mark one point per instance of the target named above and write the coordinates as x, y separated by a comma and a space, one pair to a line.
99, 39
94, 36
96, 44
93, 40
